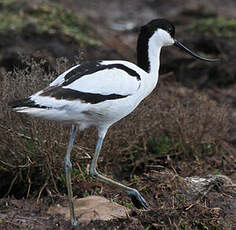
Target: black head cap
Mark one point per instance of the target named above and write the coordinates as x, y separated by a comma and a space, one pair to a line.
146, 32
155, 24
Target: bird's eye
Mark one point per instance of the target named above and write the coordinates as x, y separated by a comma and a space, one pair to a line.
170, 31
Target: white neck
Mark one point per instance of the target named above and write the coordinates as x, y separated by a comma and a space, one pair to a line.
154, 50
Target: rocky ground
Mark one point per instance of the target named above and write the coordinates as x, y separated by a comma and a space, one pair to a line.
189, 187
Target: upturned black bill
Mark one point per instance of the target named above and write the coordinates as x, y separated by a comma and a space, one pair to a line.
181, 46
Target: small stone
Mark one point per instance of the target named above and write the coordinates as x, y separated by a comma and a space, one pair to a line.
92, 208
200, 185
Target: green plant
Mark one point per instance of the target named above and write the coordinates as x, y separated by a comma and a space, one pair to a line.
218, 26
148, 227
163, 146
86, 193
199, 225
184, 224
128, 204
45, 16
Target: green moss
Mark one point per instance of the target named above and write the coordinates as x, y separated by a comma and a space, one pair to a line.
184, 224
46, 16
31, 147
219, 26
162, 147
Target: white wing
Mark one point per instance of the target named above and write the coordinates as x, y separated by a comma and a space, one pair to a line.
105, 82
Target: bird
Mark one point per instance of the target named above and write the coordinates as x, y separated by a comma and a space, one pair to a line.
100, 93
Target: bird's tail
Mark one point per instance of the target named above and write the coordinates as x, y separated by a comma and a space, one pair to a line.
31, 107
25, 105
21, 103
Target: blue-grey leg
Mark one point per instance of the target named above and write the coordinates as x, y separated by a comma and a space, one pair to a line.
68, 167
137, 199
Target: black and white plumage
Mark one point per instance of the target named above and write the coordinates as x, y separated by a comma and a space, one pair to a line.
101, 93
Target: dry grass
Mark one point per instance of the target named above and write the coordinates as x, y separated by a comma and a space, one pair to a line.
193, 121
30, 147
32, 150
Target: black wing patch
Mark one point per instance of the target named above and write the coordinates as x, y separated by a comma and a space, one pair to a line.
60, 93
27, 102
88, 68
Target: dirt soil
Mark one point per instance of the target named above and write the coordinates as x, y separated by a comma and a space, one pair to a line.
161, 181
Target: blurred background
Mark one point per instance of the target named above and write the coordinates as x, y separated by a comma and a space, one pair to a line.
186, 127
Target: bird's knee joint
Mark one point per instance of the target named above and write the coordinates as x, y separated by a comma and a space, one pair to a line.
68, 164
